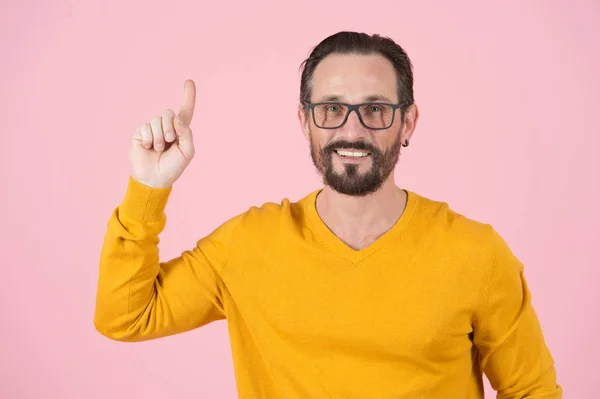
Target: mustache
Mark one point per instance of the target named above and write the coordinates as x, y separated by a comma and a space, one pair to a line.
347, 145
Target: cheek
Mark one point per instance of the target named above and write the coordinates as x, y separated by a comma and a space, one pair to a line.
389, 140
315, 146
317, 140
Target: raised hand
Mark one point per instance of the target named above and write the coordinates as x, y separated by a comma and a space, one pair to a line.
164, 147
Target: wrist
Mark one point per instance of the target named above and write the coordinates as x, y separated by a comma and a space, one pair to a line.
144, 202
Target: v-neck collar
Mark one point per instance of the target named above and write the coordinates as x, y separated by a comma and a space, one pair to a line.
337, 246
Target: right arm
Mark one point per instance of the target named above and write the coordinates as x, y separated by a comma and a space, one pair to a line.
139, 297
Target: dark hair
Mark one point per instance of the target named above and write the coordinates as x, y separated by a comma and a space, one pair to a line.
360, 43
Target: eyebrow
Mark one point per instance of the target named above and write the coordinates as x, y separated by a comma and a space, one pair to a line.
372, 98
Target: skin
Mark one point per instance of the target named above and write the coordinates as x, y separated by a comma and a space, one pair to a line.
162, 148
358, 220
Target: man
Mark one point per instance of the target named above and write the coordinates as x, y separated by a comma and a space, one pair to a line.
359, 290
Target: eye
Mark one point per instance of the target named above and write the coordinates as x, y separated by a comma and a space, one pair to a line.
333, 108
375, 108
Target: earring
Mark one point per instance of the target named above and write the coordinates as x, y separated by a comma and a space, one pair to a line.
405, 144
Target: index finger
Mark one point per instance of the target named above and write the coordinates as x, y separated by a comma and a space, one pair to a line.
186, 112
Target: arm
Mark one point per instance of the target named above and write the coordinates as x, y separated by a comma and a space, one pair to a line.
140, 298
508, 335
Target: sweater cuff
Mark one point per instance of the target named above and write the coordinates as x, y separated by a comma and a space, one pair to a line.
144, 203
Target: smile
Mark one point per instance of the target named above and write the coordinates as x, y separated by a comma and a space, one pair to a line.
352, 154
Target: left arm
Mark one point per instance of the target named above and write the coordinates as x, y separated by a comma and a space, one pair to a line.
507, 332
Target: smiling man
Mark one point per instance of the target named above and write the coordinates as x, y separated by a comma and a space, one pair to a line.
361, 289
355, 135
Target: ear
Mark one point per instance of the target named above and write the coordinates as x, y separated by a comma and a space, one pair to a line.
411, 117
304, 123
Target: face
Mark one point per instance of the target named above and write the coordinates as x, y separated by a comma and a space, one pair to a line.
353, 159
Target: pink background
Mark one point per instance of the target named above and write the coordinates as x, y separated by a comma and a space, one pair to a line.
509, 134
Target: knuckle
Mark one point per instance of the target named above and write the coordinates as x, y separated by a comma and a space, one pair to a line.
169, 134
155, 121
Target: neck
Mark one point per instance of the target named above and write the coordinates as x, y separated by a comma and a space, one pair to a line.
362, 217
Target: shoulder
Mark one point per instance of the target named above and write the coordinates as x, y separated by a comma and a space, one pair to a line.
268, 218
438, 215
470, 248
459, 230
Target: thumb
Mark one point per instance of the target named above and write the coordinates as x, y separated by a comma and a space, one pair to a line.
184, 135
180, 128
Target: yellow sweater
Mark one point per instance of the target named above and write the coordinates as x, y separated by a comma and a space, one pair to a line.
421, 313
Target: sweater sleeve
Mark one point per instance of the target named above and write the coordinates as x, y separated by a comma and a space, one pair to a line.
140, 298
507, 332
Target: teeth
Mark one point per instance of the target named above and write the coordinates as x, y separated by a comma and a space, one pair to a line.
352, 153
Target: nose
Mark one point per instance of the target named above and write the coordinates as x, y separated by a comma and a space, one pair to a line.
353, 129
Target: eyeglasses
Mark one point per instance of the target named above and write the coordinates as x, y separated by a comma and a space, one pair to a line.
333, 115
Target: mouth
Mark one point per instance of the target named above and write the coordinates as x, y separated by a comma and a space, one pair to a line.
352, 154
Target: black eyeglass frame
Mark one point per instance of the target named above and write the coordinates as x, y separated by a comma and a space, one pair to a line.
353, 107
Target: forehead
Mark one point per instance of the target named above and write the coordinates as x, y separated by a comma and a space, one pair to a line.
353, 78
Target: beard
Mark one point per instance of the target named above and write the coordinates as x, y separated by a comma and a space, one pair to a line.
351, 181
